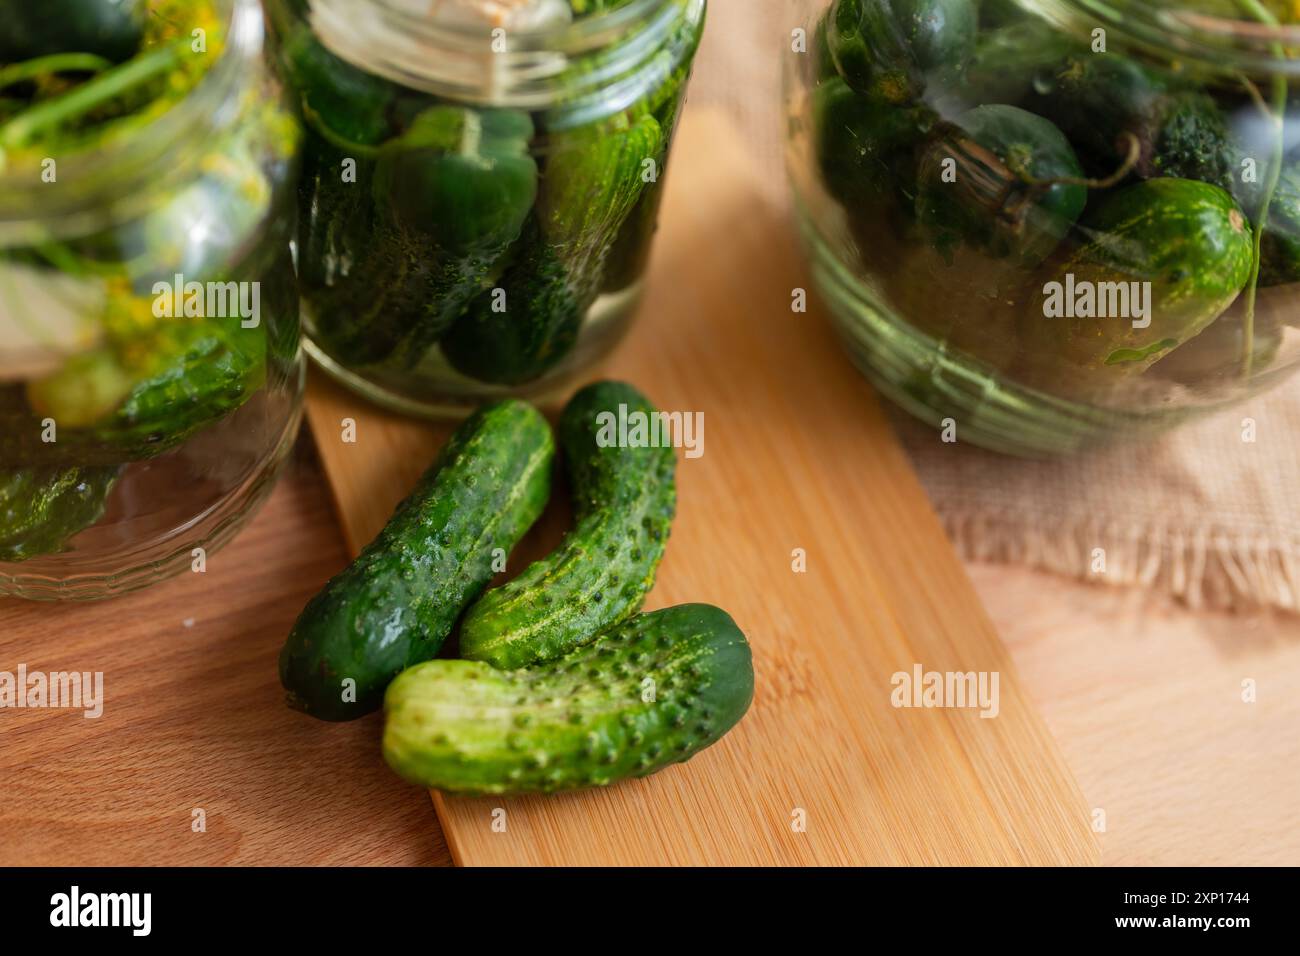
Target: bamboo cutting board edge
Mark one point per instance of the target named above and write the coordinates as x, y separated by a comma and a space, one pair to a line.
1006, 795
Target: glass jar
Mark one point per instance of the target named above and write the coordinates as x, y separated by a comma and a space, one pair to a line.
150, 369
481, 185
1053, 223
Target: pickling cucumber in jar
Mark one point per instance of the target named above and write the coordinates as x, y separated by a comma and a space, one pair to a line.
150, 369
471, 228
1053, 225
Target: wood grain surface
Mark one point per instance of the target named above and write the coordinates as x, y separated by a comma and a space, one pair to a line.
194, 719
1147, 701
1142, 695
1122, 678
797, 455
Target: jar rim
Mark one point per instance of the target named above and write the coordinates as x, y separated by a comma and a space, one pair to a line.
557, 37
158, 152
532, 69
1223, 44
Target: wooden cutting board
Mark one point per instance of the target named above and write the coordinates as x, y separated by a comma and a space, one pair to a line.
797, 455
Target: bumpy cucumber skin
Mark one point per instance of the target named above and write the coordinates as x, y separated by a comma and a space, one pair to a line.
210, 375
41, 508
396, 604
582, 721
624, 500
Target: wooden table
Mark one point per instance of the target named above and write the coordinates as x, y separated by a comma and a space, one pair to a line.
273, 786
1144, 699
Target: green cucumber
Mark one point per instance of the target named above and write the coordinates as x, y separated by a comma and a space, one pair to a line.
209, 371
650, 692
1000, 13
1189, 239
395, 605
866, 147
1104, 103
888, 48
1095, 99
593, 178
109, 410
1010, 62
624, 499
41, 508
112, 29
1280, 244
630, 252
991, 181
351, 104
446, 201
458, 186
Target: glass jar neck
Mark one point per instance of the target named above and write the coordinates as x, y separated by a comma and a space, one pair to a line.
1240, 37
576, 70
96, 187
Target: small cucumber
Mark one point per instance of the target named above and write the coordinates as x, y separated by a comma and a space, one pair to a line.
113, 406
448, 198
866, 148
1188, 239
350, 103
41, 508
593, 179
396, 604
1280, 250
112, 29
1095, 100
1104, 104
1011, 62
889, 48
648, 693
1006, 198
624, 499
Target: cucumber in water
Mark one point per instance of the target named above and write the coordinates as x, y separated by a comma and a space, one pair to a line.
41, 508
591, 184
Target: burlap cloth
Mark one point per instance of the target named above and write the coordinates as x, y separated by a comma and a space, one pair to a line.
1200, 514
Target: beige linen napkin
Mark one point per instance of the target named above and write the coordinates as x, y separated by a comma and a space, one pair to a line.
1203, 514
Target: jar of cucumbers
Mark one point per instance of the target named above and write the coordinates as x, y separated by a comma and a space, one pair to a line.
150, 370
481, 184
1047, 224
